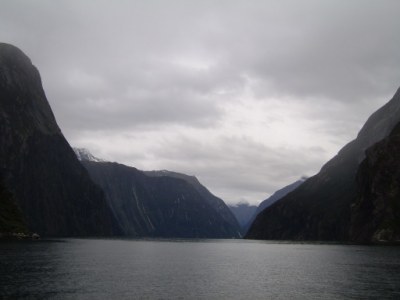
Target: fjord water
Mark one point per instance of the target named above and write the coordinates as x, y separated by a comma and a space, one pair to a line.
193, 269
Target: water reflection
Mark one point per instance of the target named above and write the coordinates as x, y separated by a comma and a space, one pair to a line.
29, 268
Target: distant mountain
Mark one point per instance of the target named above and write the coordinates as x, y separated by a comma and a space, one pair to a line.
243, 213
320, 208
161, 203
271, 200
279, 194
84, 155
51, 188
216, 203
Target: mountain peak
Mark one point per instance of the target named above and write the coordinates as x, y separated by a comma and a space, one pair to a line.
47, 184
11, 55
84, 155
18, 76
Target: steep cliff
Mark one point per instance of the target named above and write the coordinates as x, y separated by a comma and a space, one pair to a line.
52, 189
11, 220
320, 209
375, 215
275, 197
157, 206
216, 203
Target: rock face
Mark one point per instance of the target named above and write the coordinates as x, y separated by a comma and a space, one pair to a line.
52, 189
375, 215
216, 203
158, 206
320, 208
11, 220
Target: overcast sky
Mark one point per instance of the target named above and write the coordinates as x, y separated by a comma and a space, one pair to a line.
247, 95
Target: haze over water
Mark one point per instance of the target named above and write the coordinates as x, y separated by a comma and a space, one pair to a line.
199, 269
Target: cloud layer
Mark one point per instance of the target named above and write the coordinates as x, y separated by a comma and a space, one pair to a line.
246, 95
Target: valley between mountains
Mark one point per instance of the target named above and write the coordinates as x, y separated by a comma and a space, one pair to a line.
49, 188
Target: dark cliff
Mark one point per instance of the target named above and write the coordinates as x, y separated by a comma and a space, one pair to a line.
275, 197
11, 220
157, 206
320, 208
51, 187
375, 215
216, 203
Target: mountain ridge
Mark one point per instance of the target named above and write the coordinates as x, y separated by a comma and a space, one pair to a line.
50, 186
376, 210
320, 208
217, 203
101, 171
157, 206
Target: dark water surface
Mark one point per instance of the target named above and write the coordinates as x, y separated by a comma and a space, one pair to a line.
196, 269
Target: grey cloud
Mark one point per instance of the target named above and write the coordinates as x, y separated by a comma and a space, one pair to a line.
233, 165
150, 67
132, 108
327, 49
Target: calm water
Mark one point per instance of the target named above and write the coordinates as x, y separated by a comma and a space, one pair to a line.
204, 269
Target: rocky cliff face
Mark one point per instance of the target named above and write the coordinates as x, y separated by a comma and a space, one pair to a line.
320, 209
11, 220
375, 215
216, 203
53, 190
157, 206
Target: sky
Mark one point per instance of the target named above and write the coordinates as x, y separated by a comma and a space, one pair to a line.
248, 95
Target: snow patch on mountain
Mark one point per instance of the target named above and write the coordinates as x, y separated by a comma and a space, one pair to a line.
84, 155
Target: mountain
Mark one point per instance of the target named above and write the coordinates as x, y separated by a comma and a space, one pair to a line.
51, 188
279, 194
84, 155
320, 208
11, 219
243, 213
375, 215
216, 203
160, 205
